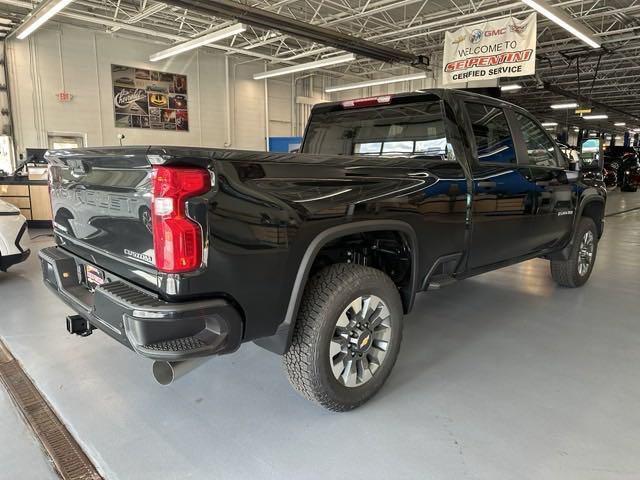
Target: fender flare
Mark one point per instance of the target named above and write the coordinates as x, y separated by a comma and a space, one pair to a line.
280, 341
587, 201
564, 253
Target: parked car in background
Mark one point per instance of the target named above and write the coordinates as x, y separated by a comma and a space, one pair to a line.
315, 256
624, 162
610, 176
13, 227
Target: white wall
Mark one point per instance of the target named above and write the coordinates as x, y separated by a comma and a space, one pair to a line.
81, 59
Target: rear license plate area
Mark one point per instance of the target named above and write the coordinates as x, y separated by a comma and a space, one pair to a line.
94, 277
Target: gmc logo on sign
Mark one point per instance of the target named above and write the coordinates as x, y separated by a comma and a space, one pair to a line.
495, 33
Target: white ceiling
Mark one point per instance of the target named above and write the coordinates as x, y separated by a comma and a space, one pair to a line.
416, 26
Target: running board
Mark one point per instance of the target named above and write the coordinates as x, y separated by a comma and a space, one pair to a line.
440, 281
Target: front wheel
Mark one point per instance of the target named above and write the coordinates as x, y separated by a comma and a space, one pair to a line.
346, 338
576, 270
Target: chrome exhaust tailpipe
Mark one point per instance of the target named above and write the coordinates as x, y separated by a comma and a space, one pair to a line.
166, 373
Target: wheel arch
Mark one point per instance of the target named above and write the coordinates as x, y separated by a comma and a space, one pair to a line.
592, 207
279, 343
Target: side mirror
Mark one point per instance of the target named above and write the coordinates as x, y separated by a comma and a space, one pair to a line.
592, 163
569, 175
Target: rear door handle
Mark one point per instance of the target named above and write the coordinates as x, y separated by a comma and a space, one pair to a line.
486, 184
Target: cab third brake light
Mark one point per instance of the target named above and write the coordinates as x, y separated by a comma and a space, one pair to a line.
367, 102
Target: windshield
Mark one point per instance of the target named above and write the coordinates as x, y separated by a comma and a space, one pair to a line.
411, 129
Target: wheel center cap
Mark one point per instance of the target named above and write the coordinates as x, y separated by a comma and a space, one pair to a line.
363, 341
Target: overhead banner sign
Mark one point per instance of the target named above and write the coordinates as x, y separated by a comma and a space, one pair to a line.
490, 50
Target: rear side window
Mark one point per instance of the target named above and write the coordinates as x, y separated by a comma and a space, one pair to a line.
540, 149
492, 135
410, 129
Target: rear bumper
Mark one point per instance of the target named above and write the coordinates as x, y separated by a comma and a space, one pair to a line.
139, 319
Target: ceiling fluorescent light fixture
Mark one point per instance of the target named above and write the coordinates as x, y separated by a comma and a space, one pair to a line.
620, 124
510, 88
378, 81
549, 124
199, 42
305, 66
39, 17
595, 117
560, 106
560, 18
5, 21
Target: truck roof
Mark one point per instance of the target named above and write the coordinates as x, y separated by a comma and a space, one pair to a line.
418, 95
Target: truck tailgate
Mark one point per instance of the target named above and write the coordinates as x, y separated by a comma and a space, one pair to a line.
101, 202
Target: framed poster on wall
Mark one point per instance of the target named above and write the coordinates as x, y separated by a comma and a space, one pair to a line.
149, 99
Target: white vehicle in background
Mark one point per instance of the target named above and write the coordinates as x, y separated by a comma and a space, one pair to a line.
13, 227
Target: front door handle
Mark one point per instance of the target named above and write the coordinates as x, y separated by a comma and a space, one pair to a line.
486, 184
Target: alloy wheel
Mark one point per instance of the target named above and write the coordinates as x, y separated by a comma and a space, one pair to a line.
585, 253
360, 341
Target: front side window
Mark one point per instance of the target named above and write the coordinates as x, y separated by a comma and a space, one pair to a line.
540, 149
408, 129
492, 135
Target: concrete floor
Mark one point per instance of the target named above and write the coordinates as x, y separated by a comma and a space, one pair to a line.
503, 376
21, 455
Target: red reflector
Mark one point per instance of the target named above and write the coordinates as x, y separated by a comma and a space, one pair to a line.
177, 240
367, 102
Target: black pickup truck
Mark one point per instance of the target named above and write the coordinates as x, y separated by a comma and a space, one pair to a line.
183, 253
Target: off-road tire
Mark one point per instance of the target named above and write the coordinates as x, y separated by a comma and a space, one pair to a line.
326, 296
565, 272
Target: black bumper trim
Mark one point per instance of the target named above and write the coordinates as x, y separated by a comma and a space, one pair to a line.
139, 319
7, 261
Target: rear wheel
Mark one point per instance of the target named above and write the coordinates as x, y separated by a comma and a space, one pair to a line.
347, 336
576, 270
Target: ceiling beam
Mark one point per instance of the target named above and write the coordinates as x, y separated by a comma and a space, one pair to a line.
272, 21
581, 98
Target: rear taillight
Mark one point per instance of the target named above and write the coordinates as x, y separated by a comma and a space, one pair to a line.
177, 240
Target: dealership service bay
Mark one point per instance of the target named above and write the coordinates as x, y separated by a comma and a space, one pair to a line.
314, 239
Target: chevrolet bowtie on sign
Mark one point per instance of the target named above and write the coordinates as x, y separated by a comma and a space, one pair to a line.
489, 50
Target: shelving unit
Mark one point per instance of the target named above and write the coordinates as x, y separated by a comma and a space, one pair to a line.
31, 197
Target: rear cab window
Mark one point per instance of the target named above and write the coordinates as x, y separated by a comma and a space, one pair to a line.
413, 129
